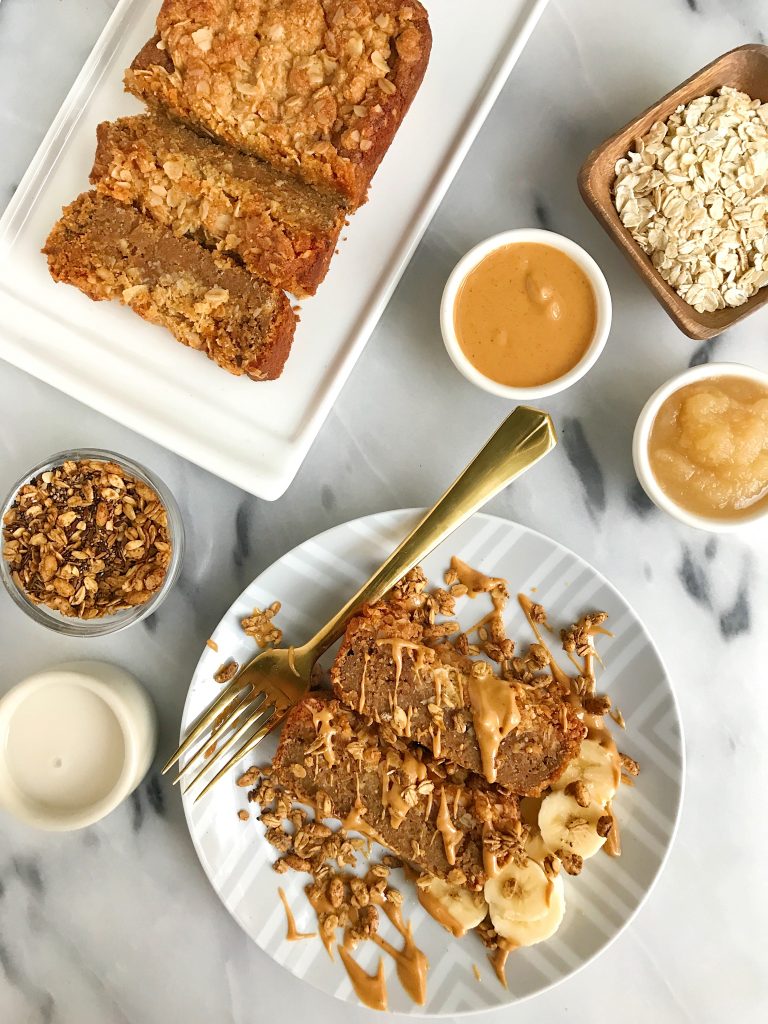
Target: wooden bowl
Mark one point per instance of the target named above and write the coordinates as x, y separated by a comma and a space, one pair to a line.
746, 69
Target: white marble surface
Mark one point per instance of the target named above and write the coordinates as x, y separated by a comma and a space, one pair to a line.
117, 923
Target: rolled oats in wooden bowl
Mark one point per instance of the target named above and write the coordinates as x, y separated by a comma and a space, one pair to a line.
683, 191
91, 543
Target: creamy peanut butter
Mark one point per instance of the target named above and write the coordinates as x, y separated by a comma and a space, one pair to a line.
410, 962
292, 934
494, 714
323, 721
525, 315
452, 836
370, 989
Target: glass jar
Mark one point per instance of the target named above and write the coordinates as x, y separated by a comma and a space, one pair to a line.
73, 626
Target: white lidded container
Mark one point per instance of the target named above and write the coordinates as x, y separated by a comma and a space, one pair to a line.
75, 741
465, 266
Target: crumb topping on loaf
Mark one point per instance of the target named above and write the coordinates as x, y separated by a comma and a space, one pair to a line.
319, 86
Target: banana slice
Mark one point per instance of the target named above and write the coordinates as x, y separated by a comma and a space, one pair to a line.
597, 767
536, 849
452, 906
528, 933
566, 826
518, 893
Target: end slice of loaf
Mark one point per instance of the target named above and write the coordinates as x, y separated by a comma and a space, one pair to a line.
318, 88
385, 671
332, 759
283, 230
112, 251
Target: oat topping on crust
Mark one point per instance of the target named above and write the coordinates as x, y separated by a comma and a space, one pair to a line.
317, 86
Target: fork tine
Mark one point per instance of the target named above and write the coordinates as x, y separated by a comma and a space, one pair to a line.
247, 724
240, 707
274, 718
203, 722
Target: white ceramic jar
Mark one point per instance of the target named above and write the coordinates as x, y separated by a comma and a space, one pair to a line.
467, 264
75, 741
641, 441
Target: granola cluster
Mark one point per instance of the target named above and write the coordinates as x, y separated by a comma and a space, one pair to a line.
260, 626
86, 539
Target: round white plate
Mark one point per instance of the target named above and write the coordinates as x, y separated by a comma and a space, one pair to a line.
312, 581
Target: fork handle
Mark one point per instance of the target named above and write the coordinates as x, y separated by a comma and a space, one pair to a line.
526, 436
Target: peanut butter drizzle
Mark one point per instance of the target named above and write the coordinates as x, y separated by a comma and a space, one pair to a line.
597, 729
370, 989
437, 739
412, 965
495, 614
355, 822
361, 702
452, 836
398, 645
393, 793
435, 907
439, 676
494, 716
440, 913
499, 958
475, 581
612, 844
408, 718
410, 961
560, 677
324, 728
291, 934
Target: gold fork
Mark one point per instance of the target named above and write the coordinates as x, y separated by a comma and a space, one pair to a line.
271, 683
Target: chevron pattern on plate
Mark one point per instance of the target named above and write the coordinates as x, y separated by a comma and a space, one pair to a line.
311, 582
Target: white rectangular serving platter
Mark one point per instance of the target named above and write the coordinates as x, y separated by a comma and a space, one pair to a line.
255, 435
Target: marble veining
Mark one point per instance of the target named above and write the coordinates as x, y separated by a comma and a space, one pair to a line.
118, 925
584, 461
638, 500
693, 576
738, 618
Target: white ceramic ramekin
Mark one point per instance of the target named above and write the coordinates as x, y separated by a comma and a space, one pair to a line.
535, 236
642, 435
129, 704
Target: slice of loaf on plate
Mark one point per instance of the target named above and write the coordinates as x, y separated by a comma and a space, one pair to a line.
387, 669
431, 814
112, 251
